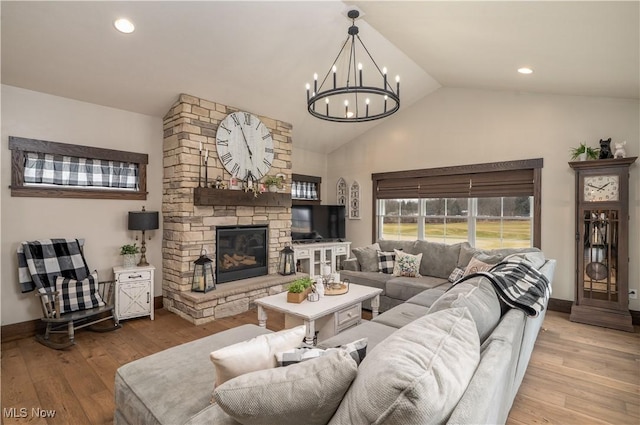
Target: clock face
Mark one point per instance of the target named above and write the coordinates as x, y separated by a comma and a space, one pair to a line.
601, 188
245, 146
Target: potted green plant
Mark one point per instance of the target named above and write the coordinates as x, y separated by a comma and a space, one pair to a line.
584, 152
273, 183
299, 289
128, 253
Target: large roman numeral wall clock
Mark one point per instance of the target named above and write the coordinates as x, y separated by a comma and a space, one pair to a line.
245, 146
602, 243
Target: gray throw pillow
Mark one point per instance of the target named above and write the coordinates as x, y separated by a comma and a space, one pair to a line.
417, 375
438, 259
367, 257
307, 392
478, 295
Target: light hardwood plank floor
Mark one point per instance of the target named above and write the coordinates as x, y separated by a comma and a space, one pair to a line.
578, 374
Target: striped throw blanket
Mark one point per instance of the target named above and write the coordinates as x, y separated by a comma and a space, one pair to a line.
519, 284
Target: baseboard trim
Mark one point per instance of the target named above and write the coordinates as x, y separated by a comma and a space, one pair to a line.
564, 306
30, 328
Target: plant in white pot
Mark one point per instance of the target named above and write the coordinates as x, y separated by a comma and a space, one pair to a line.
128, 253
274, 183
584, 152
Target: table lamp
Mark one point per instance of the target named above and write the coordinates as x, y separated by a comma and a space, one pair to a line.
143, 220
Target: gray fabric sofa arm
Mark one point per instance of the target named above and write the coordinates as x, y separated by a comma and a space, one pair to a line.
351, 264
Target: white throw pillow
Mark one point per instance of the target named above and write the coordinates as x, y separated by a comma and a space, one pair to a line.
255, 354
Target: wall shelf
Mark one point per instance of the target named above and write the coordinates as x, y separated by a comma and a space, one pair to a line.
204, 196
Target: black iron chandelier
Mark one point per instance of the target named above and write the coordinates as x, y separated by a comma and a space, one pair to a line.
350, 98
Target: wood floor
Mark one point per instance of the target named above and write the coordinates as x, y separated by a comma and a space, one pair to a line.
578, 374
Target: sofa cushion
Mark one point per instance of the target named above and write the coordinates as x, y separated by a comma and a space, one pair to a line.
372, 279
367, 257
467, 252
401, 315
403, 288
415, 376
438, 259
390, 245
310, 390
427, 297
255, 354
478, 295
407, 264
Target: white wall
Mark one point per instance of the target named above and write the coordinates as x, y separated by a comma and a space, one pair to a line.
461, 126
103, 223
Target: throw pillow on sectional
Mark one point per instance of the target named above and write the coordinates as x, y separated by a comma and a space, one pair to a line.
307, 392
367, 257
255, 354
416, 375
386, 261
407, 265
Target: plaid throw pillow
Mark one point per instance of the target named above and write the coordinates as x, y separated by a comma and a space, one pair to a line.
386, 261
356, 349
79, 294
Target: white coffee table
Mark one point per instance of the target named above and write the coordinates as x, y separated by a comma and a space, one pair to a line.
330, 315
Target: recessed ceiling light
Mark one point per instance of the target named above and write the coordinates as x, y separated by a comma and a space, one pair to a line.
525, 70
124, 25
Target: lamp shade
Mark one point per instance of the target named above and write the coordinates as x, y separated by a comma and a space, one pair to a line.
143, 220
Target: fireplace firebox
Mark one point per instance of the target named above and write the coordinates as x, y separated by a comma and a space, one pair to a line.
241, 252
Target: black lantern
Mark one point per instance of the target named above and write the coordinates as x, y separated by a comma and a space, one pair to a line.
203, 280
286, 263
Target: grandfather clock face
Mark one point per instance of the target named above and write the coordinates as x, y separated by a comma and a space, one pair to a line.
603, 188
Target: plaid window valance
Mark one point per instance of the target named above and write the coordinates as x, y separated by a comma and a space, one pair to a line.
41, 168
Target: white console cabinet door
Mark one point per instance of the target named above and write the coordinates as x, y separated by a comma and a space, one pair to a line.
134, 292
310, 257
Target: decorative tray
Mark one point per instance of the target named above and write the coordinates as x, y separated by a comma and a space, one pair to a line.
337, 291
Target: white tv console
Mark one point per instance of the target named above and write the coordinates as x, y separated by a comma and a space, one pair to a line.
310, 257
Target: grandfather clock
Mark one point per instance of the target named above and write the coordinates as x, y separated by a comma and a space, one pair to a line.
602, 243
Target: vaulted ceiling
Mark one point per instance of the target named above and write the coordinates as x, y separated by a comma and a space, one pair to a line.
257, 56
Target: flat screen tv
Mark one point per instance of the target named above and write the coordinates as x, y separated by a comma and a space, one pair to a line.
317, 223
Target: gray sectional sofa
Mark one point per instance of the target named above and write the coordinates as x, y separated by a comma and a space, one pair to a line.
439, 357
438, 262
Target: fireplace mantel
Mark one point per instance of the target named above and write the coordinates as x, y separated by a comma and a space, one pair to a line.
207, 196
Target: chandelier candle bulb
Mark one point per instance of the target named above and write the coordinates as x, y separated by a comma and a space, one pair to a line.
384, 75
334, 76
308, 87
367, 110
326, 100
315, 83
360, 72
385, 101
398, 85
346, 108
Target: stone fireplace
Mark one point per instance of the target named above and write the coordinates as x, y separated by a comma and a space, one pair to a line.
193, 215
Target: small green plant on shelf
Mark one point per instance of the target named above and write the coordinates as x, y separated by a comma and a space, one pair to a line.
589, 152
274, 181
129, 249
300, 285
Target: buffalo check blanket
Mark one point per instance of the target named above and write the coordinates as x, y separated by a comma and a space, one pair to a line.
41, 261
519, 284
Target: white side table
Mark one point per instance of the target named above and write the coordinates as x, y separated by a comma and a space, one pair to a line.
134, 291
